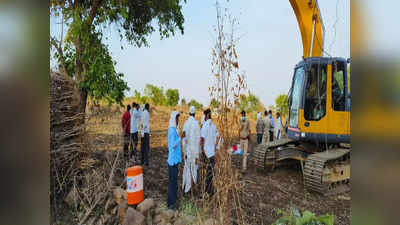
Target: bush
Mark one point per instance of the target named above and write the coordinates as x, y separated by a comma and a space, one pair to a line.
172, 97
293, 217
196, 104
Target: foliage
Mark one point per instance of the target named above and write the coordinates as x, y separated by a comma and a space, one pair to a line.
183, 102
214, 103
172, 97
196, 104
156, 94
139, 98
249, 103
293, 217
282, 104
82, 54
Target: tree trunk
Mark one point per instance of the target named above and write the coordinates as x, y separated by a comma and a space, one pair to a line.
84, 95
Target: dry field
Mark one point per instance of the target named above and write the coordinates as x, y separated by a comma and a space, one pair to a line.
264, 192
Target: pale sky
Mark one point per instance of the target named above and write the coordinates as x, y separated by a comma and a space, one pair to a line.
269, 48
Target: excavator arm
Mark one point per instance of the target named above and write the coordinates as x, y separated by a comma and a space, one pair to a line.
311, 26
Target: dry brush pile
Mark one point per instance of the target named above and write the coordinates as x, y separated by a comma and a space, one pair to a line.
81, 178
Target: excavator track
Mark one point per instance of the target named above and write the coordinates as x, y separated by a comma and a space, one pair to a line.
328, 172
269, 153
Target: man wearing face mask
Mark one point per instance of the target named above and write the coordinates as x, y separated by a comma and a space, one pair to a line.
244, 135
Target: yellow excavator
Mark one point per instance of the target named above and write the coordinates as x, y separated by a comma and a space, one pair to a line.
318, 124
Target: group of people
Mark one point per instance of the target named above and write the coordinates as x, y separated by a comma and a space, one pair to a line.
267, 128
133, 119
196, 142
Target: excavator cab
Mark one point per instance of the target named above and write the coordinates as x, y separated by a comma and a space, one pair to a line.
318, 109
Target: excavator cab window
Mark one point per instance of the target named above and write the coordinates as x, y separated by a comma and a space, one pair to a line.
338, 87
295, 97
315, 93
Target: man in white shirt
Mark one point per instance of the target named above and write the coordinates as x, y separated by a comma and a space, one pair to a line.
278, 126
145, 124
135, 116
191, 148
209, 141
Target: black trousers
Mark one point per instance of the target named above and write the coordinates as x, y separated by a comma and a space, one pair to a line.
135, 140
172, 186
145, 148
210, 162
259, 138
126, 145
271, 136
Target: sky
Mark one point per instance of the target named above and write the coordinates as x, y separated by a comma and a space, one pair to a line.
269, 48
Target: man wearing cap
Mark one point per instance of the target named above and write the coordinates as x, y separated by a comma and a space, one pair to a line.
209, 142
191, 149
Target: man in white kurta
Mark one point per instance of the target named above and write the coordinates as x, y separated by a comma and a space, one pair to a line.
191, 148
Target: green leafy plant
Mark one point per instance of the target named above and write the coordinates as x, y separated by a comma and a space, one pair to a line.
196, 104
156, 94
172, 96
282, 105
294, 217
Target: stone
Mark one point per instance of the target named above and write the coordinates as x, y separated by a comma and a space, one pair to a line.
71, 199
184, 220
133, 217
145, 205
157, 219
122, 208
168, 214
119, 194
210, 221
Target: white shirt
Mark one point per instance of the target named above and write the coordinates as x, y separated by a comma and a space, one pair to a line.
135, 116
145, 122
210, 134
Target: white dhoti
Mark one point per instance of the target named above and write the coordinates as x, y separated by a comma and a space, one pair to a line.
191, 148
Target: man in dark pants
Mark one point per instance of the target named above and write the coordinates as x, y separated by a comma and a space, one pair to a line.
271, 126
126, 128
135, 116
209, 141
145, 122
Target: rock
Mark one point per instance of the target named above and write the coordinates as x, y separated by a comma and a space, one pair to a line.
71, 199
210, 221
144, 206
133, 217
119, 194
184, 220
157, 219
122, 208
167, 214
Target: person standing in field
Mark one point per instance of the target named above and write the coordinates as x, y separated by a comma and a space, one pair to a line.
191, 149
209, 141
126, 129
278, 126
271, 126
266, 128
260, 127
174, 159
244, 134
135, 116
145, 124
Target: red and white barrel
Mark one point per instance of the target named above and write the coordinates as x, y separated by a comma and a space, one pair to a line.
134, 185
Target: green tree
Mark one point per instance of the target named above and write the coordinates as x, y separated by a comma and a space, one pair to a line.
249, 103
84, 56
183, 102
214, 103
172, 96
156, 94
139, 98
281, 103
196, 104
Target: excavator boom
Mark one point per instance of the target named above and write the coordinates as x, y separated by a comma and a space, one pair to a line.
311, 26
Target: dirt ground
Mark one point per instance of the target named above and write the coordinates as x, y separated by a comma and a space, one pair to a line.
264, 192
